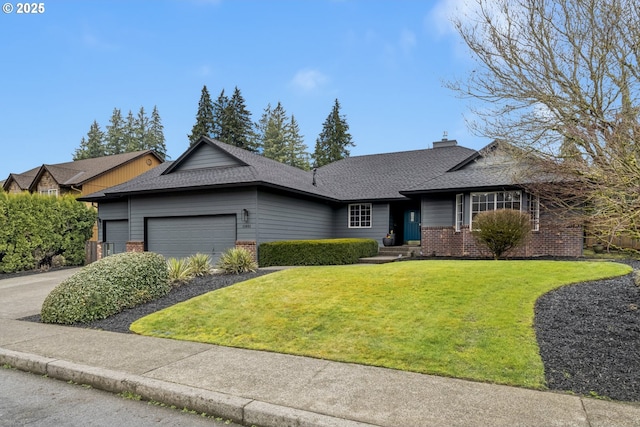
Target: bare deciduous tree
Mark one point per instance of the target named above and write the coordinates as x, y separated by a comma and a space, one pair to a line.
560, 80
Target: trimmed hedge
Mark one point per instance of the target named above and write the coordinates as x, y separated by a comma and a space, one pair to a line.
316, 252
107, 287
35, 228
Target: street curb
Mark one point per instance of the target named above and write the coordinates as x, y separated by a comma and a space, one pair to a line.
238, 409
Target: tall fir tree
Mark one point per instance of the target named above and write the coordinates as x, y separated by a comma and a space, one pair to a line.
220, 111
115, 138
204, 125
93, 146
236, 124
297, 154
130, 142
273, 126
156, 132
141, 131
334, 139
280, 138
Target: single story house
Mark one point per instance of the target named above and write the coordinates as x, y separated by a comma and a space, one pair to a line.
216, 196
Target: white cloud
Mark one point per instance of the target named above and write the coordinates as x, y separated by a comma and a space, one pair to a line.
308, 80
92, 41
407, 41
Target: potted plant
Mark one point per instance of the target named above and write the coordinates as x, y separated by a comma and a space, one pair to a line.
390, 239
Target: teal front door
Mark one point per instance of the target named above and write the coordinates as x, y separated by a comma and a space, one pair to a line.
412, 225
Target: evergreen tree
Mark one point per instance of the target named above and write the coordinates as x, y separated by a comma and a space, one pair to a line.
204, 125
220, 111
237, 127
141, 132
130, 142
115, 138
93, 146
273, 126
334, 139
297, 154
280, 138
156, 132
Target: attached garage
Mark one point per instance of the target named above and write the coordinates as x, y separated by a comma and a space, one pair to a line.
116, 235
180, 237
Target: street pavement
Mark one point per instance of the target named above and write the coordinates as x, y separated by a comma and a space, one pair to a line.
271, 389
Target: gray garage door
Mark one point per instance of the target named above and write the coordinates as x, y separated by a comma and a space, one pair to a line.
116, 232
180, 237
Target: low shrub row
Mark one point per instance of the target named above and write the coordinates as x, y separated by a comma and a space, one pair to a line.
107, 287
316, 252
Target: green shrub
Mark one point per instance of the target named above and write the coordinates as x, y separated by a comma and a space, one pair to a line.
237, 261
501, 230
316, 252
200, 264
107, 287
35, 228
179, 271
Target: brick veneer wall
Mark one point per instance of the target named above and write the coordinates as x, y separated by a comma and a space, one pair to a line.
551, 240
134, 246
249, 245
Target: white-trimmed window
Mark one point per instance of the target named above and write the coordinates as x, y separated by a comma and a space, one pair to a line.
459, 211
481, 202
360, 215
49, 192
534, 212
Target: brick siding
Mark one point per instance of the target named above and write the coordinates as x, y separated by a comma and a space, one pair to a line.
249, 245
135, 246
552, 240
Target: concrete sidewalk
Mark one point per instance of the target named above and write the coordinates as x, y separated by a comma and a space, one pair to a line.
271, 389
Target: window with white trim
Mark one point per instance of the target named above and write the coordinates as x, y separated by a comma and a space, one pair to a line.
534, 212
49, 192
481, 202
360, 215
459, 211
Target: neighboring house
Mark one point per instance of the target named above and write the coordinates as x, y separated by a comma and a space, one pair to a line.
82, 177
216, 196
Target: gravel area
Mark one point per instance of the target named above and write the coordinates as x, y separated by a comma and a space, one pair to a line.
589, 337
588, 333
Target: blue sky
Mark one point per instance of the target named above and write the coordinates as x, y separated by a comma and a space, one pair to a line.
385, 62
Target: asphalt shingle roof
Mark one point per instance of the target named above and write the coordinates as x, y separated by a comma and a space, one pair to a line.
372, 177
76, 172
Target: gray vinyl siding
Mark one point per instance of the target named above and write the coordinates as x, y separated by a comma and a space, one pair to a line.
288, 218
207, 157
228, 202
379, 223
112, 211
439, 210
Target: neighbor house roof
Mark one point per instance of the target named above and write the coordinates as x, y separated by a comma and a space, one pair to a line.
77, 172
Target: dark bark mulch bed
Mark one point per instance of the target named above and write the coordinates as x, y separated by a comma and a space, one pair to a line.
589, 337
588, 333
120, 322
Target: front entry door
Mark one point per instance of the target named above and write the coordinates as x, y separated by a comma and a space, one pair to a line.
412, 225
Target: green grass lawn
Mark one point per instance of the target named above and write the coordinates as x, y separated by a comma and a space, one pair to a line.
465, 319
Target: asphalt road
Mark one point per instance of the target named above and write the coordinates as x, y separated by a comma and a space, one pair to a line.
36, 401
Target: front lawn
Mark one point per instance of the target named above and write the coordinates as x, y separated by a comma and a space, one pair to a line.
465, 319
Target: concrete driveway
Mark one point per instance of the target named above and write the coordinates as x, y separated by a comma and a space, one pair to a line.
23, 295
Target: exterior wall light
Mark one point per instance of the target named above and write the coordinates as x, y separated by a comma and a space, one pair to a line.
245, 215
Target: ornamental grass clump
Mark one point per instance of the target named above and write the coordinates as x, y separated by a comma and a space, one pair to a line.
107, 287
501, 230
179, 271
200, 264
237, 261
